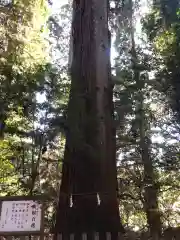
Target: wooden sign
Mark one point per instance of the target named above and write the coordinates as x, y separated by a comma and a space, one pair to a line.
21, 215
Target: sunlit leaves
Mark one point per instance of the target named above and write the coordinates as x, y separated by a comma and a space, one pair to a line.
165, 42
23, 34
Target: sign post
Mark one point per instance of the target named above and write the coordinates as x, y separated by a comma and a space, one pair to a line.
21, 215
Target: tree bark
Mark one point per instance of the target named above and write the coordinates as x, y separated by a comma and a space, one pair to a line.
89, 168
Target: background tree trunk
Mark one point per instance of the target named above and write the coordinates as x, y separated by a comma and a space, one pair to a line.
150, 187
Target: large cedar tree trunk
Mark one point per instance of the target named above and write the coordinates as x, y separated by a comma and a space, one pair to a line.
89, 168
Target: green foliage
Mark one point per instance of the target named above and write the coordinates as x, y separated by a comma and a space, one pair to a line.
152, 24
23, 42
6, 155
156, 54
34, 94
8, 180
164, 43
34, 90
167, 49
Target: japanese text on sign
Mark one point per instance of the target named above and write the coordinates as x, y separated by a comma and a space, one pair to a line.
17, 216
